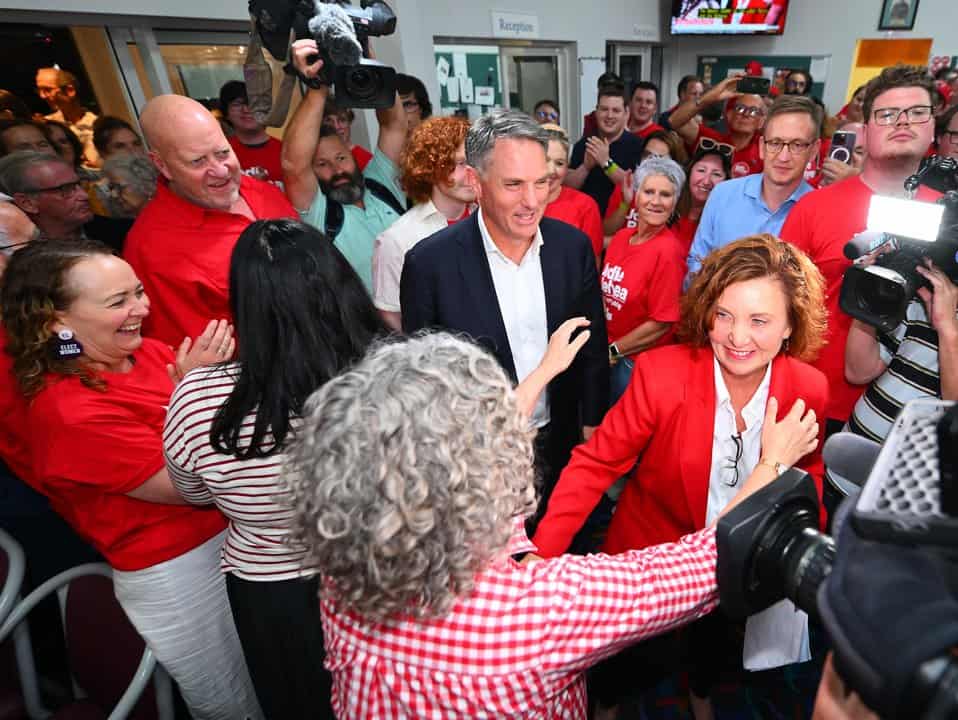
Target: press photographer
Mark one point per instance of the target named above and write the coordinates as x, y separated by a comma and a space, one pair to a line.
321, 176
886, 590
903, 341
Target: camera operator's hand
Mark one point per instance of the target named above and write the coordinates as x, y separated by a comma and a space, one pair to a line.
790, 439
301, 52
941, 302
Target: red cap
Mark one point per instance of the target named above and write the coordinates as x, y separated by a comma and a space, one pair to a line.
753, 68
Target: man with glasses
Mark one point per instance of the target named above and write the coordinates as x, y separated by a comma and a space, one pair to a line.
47, 189
898, 130
259, 154
946, 133
414, 99
745, 116
757, 204
59, 89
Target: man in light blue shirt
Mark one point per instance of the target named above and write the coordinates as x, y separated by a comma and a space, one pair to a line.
760, 203
322, 179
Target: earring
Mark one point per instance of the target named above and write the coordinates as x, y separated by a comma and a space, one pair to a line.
67, 346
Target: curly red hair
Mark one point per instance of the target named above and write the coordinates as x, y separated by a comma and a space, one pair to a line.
758, 256
429, 155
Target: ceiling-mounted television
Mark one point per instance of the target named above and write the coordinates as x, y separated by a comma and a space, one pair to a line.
729, 17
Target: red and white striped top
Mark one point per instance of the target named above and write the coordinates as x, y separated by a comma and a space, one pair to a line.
244, 490
517, 646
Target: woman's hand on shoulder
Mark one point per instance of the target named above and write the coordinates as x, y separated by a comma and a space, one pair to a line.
793, 437
216, 344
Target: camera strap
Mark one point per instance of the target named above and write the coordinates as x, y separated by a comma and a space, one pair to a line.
335, 215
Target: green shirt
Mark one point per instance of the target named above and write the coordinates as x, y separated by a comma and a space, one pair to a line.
361, 226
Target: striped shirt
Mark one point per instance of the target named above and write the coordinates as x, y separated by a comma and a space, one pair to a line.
517, 646
244, 490
911, 354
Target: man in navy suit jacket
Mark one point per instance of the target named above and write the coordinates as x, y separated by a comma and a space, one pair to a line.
508, 278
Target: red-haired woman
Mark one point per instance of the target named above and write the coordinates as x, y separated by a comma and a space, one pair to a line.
701, 417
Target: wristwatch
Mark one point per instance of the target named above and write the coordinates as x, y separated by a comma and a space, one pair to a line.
779, 468
608, 163
614, 354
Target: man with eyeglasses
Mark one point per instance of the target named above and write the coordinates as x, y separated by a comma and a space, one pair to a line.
59, 89
898, 130
757, 204
47, 189
946, 133
745, 116
258, 153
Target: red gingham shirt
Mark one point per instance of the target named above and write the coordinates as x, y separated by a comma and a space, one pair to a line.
517, 646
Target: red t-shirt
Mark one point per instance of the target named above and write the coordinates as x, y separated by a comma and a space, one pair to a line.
581, 211
361, 155
746, 161
267, 155
820, 224
643, 134
181, 254
813, 170
14, 436
642, 282
684, 231
90, 448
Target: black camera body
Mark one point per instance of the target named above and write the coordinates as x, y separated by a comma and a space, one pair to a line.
342, 32
879, 294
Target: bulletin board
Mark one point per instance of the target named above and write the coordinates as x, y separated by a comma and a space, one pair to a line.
469, 78
713, 68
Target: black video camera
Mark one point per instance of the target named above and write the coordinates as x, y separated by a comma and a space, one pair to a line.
769, 548
342, 32
879, 294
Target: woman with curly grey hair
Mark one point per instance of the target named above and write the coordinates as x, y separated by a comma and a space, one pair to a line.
131, 182
410, 481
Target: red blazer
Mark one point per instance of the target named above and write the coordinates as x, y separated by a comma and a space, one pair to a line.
666, 416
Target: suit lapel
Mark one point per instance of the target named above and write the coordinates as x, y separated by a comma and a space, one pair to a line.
780, 386
551, 260
477, 284
696, 432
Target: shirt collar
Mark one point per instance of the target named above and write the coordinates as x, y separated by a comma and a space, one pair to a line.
190, 213
491, 248
754, 409
753, 188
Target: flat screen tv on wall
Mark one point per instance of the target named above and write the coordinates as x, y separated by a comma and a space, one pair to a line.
729, 17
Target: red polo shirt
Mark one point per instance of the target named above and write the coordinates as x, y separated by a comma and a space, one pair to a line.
643, 134
181, 253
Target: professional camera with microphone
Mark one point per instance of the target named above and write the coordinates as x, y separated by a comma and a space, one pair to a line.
342, 32
887, 590
906, 232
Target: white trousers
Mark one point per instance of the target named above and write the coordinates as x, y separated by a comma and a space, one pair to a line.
181, 610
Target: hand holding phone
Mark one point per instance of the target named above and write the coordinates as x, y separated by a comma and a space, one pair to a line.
843, 146
752, 85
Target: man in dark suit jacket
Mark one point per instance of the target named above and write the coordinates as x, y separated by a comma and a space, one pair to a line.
508, 278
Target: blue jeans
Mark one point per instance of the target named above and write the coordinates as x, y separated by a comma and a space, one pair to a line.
620, 375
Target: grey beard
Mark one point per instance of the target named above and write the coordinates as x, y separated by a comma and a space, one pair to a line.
347, 194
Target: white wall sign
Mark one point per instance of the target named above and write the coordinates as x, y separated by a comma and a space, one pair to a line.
514, 25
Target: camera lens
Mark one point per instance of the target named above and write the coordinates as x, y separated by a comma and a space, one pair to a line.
362, 84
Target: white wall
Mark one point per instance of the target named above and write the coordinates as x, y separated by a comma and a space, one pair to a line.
822, 27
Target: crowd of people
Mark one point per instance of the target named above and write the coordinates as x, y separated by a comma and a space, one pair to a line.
350, 424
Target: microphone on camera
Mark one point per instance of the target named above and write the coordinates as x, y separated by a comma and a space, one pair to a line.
333, 29
850, 456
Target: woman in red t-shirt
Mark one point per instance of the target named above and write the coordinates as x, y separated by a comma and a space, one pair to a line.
706, 170
643, 271
97, 394
565, 203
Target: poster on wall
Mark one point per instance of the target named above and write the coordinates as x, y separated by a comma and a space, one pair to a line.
898, 15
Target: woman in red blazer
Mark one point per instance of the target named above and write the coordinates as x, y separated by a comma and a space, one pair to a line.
751, 317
